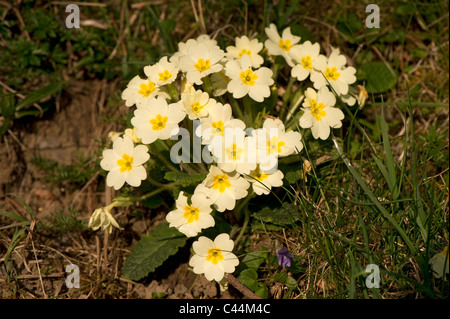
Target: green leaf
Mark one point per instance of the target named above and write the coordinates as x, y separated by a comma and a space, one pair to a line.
153, 202
405, 9
393, 36
262, 291
184, 179
280, 277
254, 259
152, 250
296, 266
379, 77
39, 95
248, 278
260, 225
293, 176
284, 278
302, 31
350, 25
291, 283
159, 295
287, 214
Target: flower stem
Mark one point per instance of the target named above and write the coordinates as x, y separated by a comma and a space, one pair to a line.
236, 108
155, 183
129, 200
207, 85
248, 107
243, 206
244, 225
157, 191
286, 97
165, 161
173, 91
298, 99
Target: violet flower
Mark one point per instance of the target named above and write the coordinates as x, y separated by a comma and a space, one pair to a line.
284, 258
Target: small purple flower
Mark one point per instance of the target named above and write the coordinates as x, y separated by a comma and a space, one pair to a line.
284, 258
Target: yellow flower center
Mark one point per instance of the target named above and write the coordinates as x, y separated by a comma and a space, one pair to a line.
332, 74
234, 153
203, 65
164, 76
147, 89
219, 127
274, 145
285, 45
159, 122
191, 214
245, 51
317, 111
306, 62
196, 107
221, 182
248, 77
258, 174
126, 163
214, 255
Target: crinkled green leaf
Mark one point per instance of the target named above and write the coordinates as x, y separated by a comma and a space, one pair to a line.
379, 77
260, 225
183, 178
293, 176
152, 250
287, 214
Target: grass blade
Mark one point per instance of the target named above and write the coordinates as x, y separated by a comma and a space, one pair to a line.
27, 207
13, 216
385, 172
390, 163
373, 199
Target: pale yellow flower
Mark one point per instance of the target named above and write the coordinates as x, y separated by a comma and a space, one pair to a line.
191, 218
125, 163
214, 258
246, 81
320, 115
281, 45
140, 90
223, 188
157, 120
102, 218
